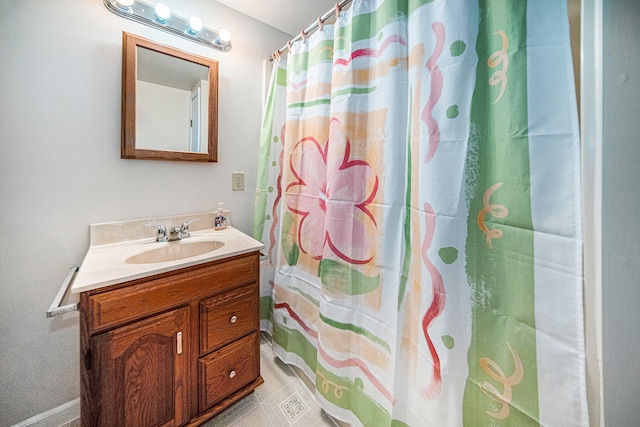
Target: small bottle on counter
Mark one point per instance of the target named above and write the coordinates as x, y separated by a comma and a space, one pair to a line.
220, 220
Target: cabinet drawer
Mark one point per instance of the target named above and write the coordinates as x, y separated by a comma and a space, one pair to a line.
117, 306
228, 369
228, 316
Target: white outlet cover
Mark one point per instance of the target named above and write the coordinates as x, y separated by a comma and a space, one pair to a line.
237, 181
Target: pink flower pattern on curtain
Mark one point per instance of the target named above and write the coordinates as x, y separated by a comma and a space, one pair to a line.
389, 279
331, 194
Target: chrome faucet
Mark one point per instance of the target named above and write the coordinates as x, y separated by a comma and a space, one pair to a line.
162, 232
175, 233
184, 228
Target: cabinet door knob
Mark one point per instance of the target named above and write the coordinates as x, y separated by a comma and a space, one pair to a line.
232, 374
234, 319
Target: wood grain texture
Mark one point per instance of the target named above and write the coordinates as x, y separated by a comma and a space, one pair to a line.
227, 317
131, 373
227, 370
108, 309
140, 379
130, 43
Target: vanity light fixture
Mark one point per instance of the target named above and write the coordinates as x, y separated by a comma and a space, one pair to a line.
160, 17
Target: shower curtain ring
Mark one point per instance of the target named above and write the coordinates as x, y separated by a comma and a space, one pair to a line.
337, 10
320, 24
303, 36
289, 45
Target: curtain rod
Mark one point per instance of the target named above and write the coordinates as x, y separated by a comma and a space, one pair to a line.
304, 33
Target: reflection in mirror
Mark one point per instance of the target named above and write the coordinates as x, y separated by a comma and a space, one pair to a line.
169, 103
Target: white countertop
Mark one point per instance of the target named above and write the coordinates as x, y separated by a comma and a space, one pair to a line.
105, 264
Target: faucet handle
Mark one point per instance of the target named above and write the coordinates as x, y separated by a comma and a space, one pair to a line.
186, 223
184, 229
162, 232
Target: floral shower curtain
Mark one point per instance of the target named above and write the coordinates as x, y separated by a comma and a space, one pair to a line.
419, 201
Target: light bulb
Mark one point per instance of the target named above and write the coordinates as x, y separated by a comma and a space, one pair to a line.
224, 36
124, 4
195, 25
162, 12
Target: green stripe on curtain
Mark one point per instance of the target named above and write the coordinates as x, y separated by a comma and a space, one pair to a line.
499, 246
266, 308
293, 341
281, 77
406, 261
350, 395
321, 52
362, 27
368, 25
266, 133
356, 330
310, 103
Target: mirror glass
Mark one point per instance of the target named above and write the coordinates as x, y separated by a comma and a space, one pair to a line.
169, 103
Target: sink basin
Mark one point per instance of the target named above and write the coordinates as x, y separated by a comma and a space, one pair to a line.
174, 251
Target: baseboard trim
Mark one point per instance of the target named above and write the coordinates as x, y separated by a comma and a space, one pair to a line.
55, 417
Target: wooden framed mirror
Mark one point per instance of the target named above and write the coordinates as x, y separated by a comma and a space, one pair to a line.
169, 103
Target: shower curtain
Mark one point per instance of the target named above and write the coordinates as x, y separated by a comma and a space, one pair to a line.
419, 201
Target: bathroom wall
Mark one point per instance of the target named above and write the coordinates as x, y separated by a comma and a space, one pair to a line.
60, 168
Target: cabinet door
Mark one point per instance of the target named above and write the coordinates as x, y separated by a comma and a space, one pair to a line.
139, 373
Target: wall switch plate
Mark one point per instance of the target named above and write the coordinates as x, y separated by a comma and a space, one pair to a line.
237, 181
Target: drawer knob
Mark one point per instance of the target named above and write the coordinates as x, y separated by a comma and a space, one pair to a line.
234, 319
232, 374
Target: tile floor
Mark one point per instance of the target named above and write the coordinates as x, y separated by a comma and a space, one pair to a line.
282, 401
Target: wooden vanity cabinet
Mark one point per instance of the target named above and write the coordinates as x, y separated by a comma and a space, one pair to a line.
173, 349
